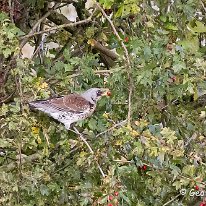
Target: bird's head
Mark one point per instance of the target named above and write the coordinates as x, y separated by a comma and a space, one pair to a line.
94, 94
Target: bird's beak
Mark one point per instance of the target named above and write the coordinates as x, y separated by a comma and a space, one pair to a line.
106, 92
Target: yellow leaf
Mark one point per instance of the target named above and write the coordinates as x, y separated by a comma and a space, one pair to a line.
134, 133
106, 115
38, 140
129, 127
82, 154
118, 142
201, 137
35, 130
91, 42
137, 123
202, 114
44, 85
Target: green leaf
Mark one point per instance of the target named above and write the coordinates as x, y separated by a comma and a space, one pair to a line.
163, 18
44, 189
197, 26
119, 11
190, 44
171, 26
5, 143
92, 124
189, 170
68, 67
175, 171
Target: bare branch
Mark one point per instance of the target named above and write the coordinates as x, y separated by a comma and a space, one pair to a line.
95, 44
59, 27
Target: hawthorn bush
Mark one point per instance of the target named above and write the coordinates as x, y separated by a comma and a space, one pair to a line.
147, 141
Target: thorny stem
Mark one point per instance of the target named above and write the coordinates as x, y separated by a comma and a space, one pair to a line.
129, 72
90, 149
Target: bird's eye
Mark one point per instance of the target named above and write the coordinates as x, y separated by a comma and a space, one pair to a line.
99, 93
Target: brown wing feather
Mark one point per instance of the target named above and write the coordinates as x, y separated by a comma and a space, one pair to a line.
71, 102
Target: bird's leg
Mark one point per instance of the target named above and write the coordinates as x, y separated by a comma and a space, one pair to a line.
67, 126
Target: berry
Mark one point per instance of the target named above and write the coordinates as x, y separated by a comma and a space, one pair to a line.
126, 39
132, 18
108, 11
169, 47
109, 93
196, 187
202, 204
110, 204
116, 193
174, 78
110, 197
144, 167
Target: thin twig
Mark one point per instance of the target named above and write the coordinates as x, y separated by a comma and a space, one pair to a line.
39, 46
59, 27
123, 161
46, 137
90, 149
96, 72
202, 163
81, 74
20, 157
203, 6
173, 199
192, 179
67, 165
11, 11
31, 33
129, 72
111, 128
161, 170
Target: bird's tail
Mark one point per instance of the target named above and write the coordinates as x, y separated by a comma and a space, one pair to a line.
36, 104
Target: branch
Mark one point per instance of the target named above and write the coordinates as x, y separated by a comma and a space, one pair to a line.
11, 11
63, 1
26, 37
96, 72
170, 201
107, 56
129, 72
90, 149
96, 45
160, 170
24, 159
6, 98
59, 27
59, 19
203, 6
111, 128
81, 74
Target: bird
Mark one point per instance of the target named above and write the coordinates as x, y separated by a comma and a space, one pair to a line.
72, 107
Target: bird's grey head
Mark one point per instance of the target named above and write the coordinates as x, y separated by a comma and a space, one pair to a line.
94, 94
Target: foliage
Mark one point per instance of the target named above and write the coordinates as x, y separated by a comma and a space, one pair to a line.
148, 162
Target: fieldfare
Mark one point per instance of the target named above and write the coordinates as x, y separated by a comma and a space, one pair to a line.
71, 108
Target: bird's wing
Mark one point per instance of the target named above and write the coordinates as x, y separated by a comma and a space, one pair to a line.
69, 103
